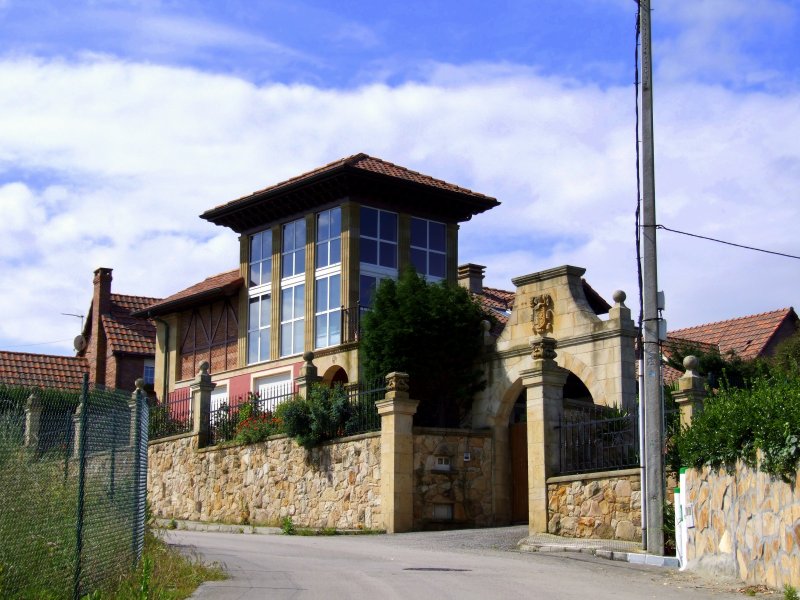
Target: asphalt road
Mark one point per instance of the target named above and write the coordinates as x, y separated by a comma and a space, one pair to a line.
439, 565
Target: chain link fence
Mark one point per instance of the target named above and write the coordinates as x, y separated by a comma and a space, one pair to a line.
73, 468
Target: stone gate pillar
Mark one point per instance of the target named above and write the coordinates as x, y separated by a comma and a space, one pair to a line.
201, 389
33, 419
308, 375
691, 390
544, 384
397, 454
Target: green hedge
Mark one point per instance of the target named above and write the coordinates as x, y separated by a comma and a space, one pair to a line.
736, 423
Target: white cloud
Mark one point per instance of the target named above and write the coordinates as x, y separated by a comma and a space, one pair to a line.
107, 163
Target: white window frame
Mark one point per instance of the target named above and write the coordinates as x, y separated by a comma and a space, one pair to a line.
330, 240
293, 320
263, 354
272, 381
298, 266
330, 312
220, 394
149, 365
260, 261
377, 267
428, 250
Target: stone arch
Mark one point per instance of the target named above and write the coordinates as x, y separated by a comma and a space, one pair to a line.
583, 372
507, 402
333, 375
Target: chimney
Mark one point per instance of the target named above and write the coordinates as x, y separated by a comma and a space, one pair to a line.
470, 276
101, 305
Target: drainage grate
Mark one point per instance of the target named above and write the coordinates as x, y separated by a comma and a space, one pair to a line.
434, 569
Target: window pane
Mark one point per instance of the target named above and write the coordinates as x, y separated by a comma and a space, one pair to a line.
366, 288
264, 353
288, 237
334, 292
335, 251
321, 329
300, 233
266, 243
369, 251
336, 222
266, 309
300, 261
322, 255
388, 255
252, 347
419, 233
369, 222
322, 295
252, 316
255, 274
287, 268
419, 260
389, 226
298, 336
299, 298
335, 326
286, 304
437, 236
266, 270
323, 225
437, 264
286, 339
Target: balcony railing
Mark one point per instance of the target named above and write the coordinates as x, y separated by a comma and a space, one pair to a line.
351, 322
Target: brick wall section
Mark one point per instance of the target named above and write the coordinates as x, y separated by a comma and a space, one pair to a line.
747, 519
335, 485
466, 486
604, 505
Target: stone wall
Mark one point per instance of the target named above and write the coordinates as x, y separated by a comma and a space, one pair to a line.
464, 486
334, 485
605, 505
747, 520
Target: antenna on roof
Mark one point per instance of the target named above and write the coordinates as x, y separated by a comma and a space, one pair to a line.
74, 315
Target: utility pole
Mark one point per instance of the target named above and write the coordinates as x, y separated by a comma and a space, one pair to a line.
653, 416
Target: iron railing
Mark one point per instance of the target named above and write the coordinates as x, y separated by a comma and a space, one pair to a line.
588, 444
172, 415
224, 419
362, 397
351, 322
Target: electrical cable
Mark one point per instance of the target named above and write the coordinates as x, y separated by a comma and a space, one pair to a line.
710, 239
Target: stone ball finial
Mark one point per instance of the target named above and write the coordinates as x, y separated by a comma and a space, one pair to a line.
619, 296
139, 383
308, 356
691, 363
204, 367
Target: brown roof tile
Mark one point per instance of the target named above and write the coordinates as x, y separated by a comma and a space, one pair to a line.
746, 336
126, 333
222, 283
65, 372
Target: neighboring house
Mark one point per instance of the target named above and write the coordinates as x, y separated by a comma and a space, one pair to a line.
753, 336
115, 348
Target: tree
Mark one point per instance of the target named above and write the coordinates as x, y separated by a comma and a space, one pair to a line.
787, 356
432, 332
729, 368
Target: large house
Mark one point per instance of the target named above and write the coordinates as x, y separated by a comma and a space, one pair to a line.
312, 250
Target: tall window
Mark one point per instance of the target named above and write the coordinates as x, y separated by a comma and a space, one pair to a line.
329, 237
294, 248
292, 319
327, 313
428, 252
378, 237
260, 291
261, 258
258, 328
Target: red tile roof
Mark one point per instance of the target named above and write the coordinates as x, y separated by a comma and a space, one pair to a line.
349, 176
65, 372
746, 336
125, 333
497, 303
366, 163
208, 289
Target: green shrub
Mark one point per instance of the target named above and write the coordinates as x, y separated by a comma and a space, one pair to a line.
287, 526
257, 427
325, 414
737, 423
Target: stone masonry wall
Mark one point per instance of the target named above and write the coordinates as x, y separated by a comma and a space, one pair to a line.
748, 519
604, 505
466, 486
335, 485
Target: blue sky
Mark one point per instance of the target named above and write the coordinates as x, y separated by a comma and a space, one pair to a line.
121, 121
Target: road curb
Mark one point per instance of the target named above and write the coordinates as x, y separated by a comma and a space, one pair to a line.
635, 558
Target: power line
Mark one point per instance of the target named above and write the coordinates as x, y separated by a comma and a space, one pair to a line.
39, 344
710, 239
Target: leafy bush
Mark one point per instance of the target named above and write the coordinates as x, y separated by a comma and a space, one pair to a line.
737, 423
256, 427
325, 414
